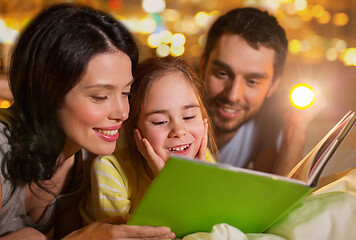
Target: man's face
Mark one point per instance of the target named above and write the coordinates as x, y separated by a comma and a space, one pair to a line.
238, 80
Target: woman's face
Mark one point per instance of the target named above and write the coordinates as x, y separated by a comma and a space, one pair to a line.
93, 111
170, 117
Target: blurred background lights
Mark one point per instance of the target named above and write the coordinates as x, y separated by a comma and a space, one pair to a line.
7, 34
302, 96
305, 46
200, 18
178, 39
176, 51
115, 4
294, 46
340, 19
202, 40
331, 54
271, 5
171, 15
349, 56
153, 6
154, 40
166, 36
147, 26
300, 5
318, 11
340, 45
162, 50
324, 17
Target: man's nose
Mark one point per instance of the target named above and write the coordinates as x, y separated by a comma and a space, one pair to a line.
235, 91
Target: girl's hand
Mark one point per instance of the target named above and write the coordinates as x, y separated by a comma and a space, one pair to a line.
107, 230
155, 162
204, 141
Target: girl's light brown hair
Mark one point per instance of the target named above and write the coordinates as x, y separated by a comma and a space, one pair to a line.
146, 73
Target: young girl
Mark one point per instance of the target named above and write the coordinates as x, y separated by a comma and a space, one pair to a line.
167, 117
70, 75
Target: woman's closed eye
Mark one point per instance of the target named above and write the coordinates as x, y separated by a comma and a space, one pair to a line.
128, 94
100, 98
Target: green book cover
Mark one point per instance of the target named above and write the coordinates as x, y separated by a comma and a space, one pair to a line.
192, 196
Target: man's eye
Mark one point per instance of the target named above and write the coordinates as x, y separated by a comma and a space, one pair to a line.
252, 82
221, 74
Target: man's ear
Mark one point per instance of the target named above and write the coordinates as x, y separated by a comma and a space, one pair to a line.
202, 66
273, 87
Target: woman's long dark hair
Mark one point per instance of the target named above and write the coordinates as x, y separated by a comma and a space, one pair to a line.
49, 59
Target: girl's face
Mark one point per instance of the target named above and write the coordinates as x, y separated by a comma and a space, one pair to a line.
171, 118
93, 111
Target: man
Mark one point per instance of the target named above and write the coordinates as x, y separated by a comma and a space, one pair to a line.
241, 66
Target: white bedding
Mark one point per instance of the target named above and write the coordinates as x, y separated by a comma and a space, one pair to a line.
329, 213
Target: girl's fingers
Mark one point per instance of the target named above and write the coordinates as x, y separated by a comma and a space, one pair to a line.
204, 142
155, 162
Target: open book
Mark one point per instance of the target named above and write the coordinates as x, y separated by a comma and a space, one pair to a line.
192, 196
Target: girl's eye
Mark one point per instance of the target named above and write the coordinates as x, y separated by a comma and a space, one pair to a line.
189, 118
99, 98
159, 123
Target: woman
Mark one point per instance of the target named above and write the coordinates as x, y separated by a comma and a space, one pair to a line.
70, 76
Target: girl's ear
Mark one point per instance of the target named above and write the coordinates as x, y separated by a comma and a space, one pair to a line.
273, 87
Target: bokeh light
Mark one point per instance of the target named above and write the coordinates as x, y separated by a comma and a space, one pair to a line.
162, 50
153, 6
340, 19
302, 96
294, 46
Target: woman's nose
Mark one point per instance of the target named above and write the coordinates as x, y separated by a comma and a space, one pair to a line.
120, 110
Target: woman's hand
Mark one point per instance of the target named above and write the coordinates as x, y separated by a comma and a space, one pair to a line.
204, 142
155, 162
108, 230
25, 234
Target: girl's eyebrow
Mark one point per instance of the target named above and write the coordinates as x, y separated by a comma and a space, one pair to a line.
164, 111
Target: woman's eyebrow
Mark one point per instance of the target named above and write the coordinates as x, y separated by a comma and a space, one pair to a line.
107, 86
